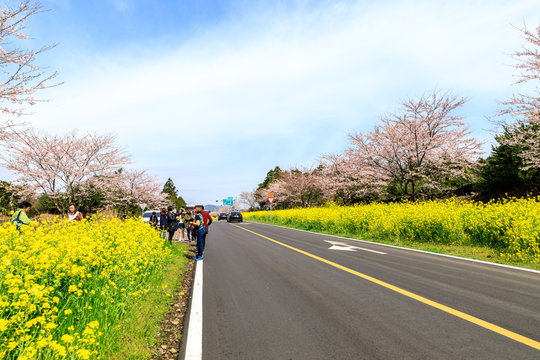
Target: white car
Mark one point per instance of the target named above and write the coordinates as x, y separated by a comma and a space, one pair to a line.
146, 215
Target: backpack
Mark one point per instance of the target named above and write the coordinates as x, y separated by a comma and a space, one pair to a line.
171, 217
18, 221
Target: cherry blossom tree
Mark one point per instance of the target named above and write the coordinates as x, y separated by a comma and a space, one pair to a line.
424, 148
523, 131
297, 188
123, 188
225, 209
418, 149
261, 195
20, 76
58, 165
348, 178
140, 187
248, 200
529, 57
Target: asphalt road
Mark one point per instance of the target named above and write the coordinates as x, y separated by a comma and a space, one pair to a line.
263, 300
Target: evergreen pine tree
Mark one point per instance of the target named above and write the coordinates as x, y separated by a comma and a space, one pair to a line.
172, 194
170, 189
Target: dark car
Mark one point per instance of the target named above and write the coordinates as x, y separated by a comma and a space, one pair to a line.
222, 216
235, 216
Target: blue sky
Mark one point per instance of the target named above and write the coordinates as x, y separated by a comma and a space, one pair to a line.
215, 93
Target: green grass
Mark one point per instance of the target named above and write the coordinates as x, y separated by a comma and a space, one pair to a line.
141, 324
476, 252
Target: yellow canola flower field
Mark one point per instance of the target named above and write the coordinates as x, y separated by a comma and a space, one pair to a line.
64, 286
511, 226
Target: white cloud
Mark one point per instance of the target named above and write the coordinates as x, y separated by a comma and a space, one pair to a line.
285, 87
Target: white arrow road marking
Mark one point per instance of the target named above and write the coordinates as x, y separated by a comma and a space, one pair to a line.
343, 248
338, 245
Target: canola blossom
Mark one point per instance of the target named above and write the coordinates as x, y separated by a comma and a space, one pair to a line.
511, 226
65, 286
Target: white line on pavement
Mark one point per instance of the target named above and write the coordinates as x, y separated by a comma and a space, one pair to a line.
194, 334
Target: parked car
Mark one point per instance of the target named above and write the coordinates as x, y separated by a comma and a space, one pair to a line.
235, 216
222, 216
146, 215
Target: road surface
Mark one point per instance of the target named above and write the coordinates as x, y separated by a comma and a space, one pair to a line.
277, 293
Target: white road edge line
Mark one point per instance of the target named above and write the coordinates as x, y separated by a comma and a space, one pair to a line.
409, 249
194, 334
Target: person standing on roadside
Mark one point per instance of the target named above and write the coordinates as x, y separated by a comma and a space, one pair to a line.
198, 225
20, 216
181, 225
162, 222
73, 214
188, 219
172, 222
207, 220
153, 220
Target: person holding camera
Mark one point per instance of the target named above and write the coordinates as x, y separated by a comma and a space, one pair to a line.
199, 229
188, 220
207, 220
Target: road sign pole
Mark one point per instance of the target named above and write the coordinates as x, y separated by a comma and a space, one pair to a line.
271, 200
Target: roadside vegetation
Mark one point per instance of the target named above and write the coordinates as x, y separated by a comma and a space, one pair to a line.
84, 290
505, 231
142, 326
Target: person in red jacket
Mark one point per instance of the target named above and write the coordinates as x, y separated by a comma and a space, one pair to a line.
207, 220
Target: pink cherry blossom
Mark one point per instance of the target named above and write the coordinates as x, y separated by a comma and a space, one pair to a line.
60, 164
417, 149
523, 128
20, 78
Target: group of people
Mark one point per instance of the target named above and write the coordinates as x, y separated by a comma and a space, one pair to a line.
190, 225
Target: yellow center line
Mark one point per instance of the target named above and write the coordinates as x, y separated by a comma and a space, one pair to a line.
487, 325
